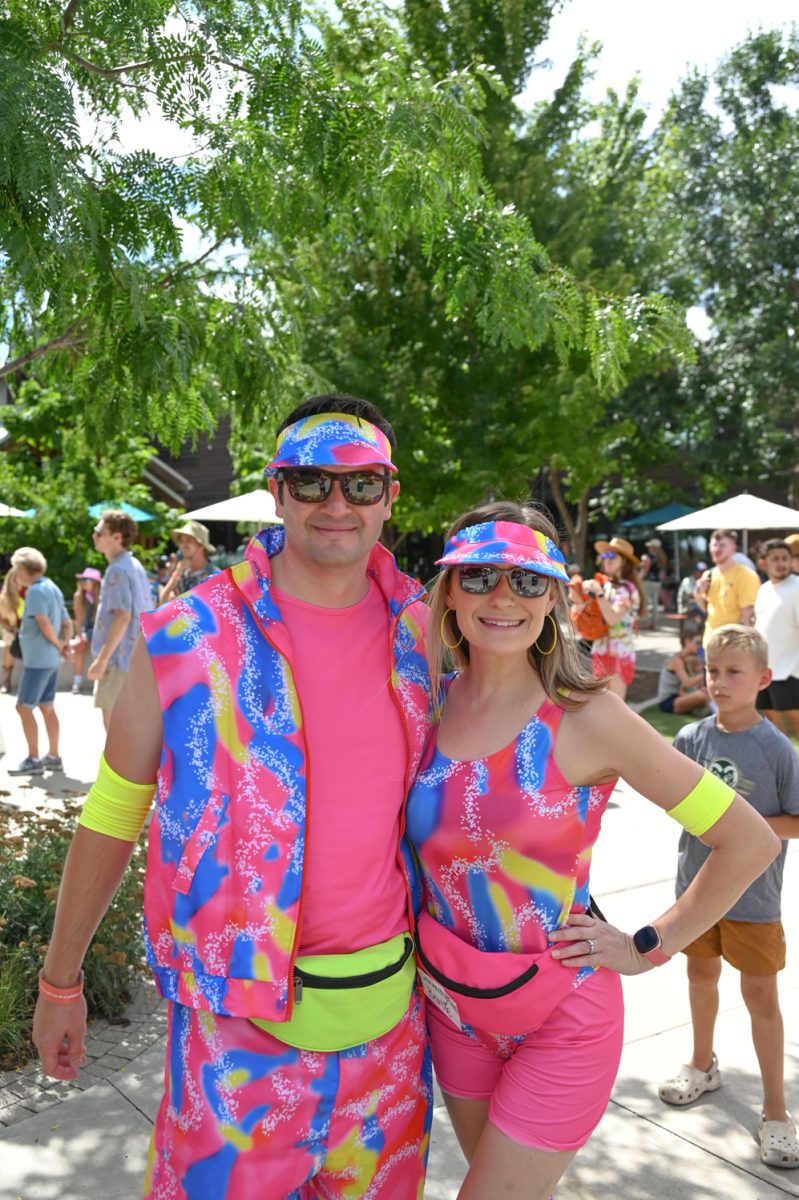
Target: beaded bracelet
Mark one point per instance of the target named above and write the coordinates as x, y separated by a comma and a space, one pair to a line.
59, 995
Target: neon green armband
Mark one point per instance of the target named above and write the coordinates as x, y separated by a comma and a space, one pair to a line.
702, 807
115, 806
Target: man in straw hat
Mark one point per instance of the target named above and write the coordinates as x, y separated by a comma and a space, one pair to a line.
194, 545
283, 705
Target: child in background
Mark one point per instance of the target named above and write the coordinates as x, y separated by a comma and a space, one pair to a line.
753, 757
681, 685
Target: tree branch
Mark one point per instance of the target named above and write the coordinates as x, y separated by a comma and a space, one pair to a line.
69, 13
182, 268
65, 341
560, 503
105, 72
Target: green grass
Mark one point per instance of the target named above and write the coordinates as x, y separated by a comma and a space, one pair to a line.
666, 723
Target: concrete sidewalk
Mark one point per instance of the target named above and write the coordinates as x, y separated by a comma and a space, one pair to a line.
92, 1144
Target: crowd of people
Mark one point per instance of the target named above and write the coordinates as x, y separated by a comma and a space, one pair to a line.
307, 710
98, 636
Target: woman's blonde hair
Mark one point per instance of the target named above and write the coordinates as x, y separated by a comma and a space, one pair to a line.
563, 671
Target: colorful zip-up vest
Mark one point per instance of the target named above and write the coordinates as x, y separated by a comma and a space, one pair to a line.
224, 883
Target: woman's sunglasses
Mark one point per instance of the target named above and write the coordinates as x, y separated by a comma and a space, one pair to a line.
313, 486
479, 581
608, 554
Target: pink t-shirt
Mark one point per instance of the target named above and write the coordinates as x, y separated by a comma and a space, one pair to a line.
355, 892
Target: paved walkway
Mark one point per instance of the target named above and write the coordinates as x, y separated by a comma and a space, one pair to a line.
88, 1141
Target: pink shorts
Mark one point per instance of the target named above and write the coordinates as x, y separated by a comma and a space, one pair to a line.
550, 1088
614, 664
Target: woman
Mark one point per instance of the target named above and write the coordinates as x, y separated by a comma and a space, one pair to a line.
84, 606
503, 815
621, 602
12, 605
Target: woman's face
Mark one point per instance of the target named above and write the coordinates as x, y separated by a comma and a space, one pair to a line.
498, 622
611, 566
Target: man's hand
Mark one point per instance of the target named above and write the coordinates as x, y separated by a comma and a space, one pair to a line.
97, 668
58, 1034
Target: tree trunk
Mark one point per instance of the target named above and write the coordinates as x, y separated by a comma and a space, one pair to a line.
576, 527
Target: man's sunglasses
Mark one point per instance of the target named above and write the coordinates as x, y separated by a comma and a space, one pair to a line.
312, 486
479, 581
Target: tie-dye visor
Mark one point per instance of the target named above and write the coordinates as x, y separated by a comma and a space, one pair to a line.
505, 544
331, 440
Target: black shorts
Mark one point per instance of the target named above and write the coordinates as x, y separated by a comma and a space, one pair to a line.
667, 705
781, 695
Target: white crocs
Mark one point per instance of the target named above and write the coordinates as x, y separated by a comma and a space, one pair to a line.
779, 1145
689, 1084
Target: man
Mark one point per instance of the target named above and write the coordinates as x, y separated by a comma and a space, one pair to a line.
777, 618
727, 592
44, 638
124, 595
194, 545
284, 704
792, 541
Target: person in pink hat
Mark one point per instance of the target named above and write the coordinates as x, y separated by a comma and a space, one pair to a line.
521, 972
84, 606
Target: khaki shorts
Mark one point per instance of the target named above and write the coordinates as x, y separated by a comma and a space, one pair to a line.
108, 688
752, 947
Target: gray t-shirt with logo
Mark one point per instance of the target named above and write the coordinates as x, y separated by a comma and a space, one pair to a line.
762, 765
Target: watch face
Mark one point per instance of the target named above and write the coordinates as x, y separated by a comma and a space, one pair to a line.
646, 939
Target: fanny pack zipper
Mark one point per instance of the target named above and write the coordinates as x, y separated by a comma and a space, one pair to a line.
303, 979
464, 989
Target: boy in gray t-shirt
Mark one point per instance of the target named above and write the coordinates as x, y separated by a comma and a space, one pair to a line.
757, 760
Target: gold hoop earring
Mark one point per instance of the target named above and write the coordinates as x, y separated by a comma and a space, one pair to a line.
554, 637
443, 638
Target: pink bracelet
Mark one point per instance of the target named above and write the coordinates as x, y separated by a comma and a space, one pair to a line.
59, 995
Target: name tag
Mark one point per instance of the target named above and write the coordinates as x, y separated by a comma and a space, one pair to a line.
437, 995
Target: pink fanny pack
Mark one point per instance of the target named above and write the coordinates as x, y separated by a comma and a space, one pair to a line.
497, 991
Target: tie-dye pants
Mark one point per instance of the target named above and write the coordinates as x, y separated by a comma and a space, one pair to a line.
246, 1117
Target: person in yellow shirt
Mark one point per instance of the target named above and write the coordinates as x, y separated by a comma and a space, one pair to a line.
727, 591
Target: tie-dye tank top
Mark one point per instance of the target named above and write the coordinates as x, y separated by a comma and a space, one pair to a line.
505, 842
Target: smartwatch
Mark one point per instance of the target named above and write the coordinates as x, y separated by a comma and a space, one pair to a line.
647, 943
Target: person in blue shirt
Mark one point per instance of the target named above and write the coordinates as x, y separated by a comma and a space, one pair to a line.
44, 636
124, 595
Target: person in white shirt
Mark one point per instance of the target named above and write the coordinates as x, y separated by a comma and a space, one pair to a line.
777, 618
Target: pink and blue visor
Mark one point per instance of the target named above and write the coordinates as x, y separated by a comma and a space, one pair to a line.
331, 440
505, 544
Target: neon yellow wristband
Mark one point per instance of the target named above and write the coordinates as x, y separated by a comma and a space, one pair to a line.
115, 806
703, 806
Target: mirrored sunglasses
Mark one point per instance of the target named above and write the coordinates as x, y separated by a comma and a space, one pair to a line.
312, 486
480, 580
608, 554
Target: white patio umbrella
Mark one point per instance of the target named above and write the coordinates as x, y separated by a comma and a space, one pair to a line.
739, 512
258, 507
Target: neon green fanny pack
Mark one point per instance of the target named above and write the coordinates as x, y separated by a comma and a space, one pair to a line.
341, 1000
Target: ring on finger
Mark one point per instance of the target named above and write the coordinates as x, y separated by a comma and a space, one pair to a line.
591, 944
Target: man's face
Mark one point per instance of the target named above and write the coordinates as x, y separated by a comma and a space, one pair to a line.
722, 550
190, 548
778, 565
106, 542
332, 533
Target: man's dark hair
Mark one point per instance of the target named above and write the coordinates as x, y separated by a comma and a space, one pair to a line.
116, 521
775, 544
722, 533
341, 402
